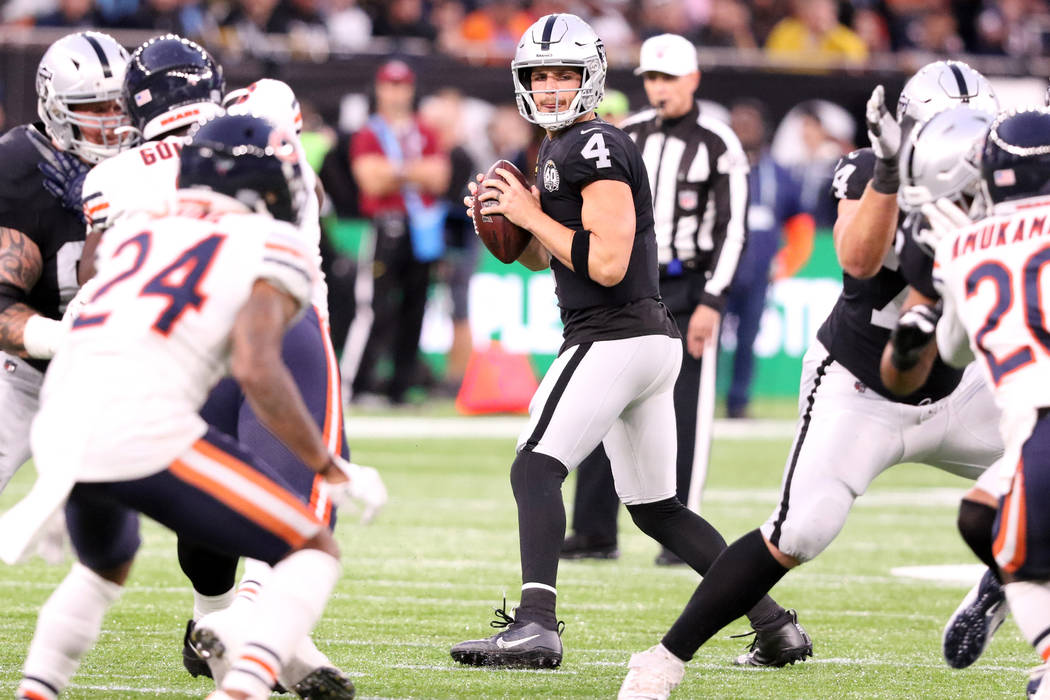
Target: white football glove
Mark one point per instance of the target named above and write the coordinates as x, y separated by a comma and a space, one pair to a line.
79, 301
883, 130
363, 490
943, 217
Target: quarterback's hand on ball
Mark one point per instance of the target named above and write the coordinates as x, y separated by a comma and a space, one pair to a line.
883, 130
356, 487
943, 217
516, 202
64, 176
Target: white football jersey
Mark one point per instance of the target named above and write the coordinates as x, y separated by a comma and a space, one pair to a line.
994, 276
142, 179
154, 338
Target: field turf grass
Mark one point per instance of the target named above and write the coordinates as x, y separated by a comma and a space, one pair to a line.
429, 571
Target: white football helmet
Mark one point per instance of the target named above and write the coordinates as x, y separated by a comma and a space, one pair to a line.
940, 85
83, 68
270, 99
559, 40
940, 158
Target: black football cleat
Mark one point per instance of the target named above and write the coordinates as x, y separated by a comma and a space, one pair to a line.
325, 683
973, 623
578, 546
191, 660
519, 645
777, 646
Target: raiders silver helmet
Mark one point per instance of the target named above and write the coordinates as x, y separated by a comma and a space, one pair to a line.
559, 40
940, 158
83, 68
940, 85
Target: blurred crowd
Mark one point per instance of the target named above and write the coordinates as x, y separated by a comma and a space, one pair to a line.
809, 30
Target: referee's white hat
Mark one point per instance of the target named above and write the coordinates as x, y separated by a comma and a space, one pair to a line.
667, 53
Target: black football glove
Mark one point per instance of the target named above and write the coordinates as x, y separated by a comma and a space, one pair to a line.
914, 331
64, 176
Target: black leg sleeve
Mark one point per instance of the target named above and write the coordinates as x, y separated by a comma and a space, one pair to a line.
737, 580
976, 521
210, 572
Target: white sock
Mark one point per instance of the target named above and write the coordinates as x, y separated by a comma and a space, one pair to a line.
285, 611
304, 661
1029, 603
256, 574
207, 604
67, 628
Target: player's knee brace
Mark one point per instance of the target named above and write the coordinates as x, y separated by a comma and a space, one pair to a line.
655, 519
975, 523
533, 473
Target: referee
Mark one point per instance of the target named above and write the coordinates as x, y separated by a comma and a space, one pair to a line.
698, 176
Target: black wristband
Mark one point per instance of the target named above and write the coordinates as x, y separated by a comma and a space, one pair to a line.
581, 252
887, 177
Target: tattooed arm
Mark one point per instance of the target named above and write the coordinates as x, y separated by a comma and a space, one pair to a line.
20, 268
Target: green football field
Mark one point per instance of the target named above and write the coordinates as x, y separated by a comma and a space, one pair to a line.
428, 572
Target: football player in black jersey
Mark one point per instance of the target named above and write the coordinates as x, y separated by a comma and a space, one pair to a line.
852, 427
592, 224
78, 87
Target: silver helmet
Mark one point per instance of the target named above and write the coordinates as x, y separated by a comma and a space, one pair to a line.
940, 85
559, 40
940, 158
83, 68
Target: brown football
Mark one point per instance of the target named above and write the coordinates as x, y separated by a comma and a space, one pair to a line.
505, 240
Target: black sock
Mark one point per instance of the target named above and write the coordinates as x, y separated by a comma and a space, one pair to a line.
739, 578
536, 481
975, 523
210, 572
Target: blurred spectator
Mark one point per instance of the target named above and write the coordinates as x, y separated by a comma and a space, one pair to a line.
443, 112
447, 18
183, 17
764, 16
71, 14
665, 17
614, 107
871, 27
934, 31
349, 26
813, 34
401, 171
403, 19
510, 137
729, 25
493, 30
809, 141
1013, 28
775, 210
607, 19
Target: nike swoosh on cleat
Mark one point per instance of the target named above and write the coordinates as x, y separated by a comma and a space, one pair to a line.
502, 644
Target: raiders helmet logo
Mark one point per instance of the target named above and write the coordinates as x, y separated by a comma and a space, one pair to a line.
551, 179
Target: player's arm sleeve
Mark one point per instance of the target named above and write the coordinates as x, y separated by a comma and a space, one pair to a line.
287, 264
729, 197
953, 342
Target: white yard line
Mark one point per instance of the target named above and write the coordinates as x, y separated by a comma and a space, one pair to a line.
509, 426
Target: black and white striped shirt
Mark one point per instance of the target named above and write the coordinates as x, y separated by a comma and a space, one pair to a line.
698, 177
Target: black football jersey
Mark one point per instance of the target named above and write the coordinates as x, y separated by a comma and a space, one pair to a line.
27, 207
575, 157
859, 325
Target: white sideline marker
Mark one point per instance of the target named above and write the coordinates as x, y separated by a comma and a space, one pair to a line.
948, 573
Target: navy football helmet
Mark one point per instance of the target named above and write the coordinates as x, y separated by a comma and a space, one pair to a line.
1015, 160
170, 83
246, 158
